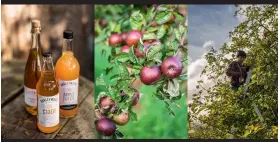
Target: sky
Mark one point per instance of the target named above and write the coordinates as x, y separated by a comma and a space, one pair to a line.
208, 25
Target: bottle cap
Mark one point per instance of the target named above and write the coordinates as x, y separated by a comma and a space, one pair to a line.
36, 26
47, 54
68, 34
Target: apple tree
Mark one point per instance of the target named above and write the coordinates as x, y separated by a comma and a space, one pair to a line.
227, 114
148, 43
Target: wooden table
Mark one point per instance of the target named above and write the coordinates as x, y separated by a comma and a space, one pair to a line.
16, 123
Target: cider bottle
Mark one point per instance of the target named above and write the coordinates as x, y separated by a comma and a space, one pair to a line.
33, 69
48, 97
67, 75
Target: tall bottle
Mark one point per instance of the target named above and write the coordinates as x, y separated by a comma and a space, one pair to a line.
67, 75
48, 97
33, 69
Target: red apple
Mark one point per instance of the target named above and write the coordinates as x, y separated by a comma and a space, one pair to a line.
125, 49
133, 37
171, 67
105, 126
140, 54
106, 102
150, 75
123, 35
121, 119
115, 40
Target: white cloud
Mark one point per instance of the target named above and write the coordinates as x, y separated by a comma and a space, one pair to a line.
208, 45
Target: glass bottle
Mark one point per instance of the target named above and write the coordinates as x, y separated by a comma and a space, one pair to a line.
33, 69
67, 75
48, 97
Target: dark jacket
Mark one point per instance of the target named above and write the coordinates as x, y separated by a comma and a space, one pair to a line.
236, 71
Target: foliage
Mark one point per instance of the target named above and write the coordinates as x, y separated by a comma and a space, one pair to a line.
227, 112
172, 37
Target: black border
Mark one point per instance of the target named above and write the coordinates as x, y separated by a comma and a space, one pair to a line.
138, 1
98, 140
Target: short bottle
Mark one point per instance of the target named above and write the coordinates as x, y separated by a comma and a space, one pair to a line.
48, 97
33, 69
67, 75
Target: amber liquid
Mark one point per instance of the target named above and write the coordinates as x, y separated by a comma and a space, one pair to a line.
67, 68
32, 74
47, 86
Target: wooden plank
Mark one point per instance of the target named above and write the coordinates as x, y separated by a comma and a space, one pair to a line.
81, 126
17, 123
11, 80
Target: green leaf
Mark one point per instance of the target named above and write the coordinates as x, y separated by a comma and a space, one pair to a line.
100, 81
112, 92
136, 69
161, 31
247, 133
141, 46
175, 45
182, 29
150, 63
119, 135
118, 26
133, 116
177, 34
178, 97
97, 28
158, 95
170, 111
123, 57
114, 78
141, 60
136, 20
162, 17
103, 52
132, 56
113, 52
148, 36
153, 50
179, 17
162, 7
108, 70
172, 88
112, 25
109, 58
150, 14
124, 98
183, 77
151, 29
123, 72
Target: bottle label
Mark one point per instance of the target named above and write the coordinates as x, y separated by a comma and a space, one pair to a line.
30, 96
48, 110
68, 91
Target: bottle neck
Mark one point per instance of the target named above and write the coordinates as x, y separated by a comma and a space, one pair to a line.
68, 45
35, 41
48, 67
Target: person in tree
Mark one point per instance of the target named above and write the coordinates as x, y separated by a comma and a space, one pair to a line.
237, 71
